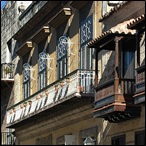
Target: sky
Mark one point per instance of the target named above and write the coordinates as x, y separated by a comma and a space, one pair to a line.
2, 4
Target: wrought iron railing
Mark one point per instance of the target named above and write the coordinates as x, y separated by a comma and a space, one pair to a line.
70, 86
7, 138
86, 78
7, 71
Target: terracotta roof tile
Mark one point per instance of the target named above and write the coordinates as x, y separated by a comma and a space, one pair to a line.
138, 19
115, 9
120, 28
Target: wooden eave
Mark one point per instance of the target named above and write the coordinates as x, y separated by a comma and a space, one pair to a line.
106, 42
138, 23
26, 47
78, 4
60, 17
41, 34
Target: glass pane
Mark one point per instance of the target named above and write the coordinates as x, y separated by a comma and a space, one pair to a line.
128, 64
62, 56
86, 30
140, 138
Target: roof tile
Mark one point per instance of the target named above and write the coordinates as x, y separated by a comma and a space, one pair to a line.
120, 28
138, 19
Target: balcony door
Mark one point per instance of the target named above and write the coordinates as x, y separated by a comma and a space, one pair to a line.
42, 64
86, 53
62, 56
128, 64
26, 76
42, 71
85, 37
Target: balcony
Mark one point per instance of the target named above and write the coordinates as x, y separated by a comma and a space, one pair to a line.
116, 106
139, 96
114, 91
7, 72
7, 138
74, 86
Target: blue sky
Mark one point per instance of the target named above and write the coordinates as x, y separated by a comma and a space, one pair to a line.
2, 4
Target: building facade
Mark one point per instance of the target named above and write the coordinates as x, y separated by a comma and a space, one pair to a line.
67, 89
9, 26
120, 75
53, 89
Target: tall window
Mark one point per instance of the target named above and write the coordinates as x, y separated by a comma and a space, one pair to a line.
118, 140
42, 70
42, 62
62, 56
85, 37
140, 138
26, 76
128, 64
85, 52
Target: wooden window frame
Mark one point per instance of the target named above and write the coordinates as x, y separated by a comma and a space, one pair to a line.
123, 137
137, 133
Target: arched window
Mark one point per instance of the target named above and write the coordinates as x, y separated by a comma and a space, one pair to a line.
62, 56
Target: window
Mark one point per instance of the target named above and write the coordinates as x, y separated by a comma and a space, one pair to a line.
118, 140
140, 138
26, 76
91, 132
85, 37
128, 64
12, 49
42, 70
86, 53
86, 30
42, 65
62, 56
85, 58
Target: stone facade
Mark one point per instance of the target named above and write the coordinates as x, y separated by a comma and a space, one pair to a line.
45, 27
39, 32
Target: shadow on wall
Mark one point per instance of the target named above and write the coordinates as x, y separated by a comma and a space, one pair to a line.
6, 101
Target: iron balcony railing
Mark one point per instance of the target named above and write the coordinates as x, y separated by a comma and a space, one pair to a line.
73, 85
7, 71
7, 138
